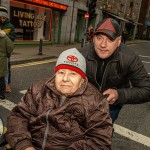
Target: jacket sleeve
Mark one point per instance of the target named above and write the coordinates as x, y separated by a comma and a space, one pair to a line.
18, 135
10, 32
98, 132
9, 46
139, 91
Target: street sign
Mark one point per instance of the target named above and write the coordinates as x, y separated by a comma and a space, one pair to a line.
86, 16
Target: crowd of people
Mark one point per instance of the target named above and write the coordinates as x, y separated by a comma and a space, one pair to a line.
76, 107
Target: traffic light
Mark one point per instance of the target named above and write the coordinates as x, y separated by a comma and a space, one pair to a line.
92, 6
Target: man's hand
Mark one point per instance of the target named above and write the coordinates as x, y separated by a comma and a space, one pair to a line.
112, 95
30, 148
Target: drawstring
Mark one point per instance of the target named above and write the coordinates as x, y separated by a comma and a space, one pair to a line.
47, 122
46, 131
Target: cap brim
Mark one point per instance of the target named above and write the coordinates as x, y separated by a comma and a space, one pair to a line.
108, 33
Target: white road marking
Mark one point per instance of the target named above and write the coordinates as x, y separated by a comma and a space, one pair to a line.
146, 62
23, 91
34, 63
144, 56
132, 135
7, 104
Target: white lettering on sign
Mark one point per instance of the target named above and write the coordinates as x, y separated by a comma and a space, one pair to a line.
24, 23
21, 14
29, 19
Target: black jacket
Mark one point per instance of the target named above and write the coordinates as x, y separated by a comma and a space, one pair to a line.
124, 72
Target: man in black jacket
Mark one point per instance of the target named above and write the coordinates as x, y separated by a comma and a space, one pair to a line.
115, 69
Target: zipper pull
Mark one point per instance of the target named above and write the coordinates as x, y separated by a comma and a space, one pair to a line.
62, 100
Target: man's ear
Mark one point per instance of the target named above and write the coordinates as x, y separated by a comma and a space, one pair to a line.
119, 40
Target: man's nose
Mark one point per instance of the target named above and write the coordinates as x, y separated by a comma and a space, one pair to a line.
104, 42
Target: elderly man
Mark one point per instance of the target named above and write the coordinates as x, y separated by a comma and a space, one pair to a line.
64, 112
115, 69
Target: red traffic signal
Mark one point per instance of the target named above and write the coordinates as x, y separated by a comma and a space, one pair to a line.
86, 16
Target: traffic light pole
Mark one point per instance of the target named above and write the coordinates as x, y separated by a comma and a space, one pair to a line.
86, 26
91, 5
85, 32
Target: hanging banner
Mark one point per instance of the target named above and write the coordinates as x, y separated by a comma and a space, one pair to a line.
45, 3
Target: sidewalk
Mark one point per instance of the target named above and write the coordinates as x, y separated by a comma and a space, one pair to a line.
23, 54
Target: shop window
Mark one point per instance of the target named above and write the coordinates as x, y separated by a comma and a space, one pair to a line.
31, 22
55, 26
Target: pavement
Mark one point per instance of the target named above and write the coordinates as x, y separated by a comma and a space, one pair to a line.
29, 53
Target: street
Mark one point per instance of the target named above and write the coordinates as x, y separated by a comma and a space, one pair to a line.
132, 130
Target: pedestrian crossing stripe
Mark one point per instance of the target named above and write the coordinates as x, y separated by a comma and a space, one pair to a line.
7, 104
23, 91
132, 135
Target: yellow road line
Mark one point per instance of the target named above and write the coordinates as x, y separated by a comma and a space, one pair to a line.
34, 63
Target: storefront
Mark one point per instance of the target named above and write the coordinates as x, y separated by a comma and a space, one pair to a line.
36, 19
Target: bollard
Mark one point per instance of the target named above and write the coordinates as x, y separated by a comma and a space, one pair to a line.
40, 47
82, 44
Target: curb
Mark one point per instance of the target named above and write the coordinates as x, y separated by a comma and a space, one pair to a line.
17, 62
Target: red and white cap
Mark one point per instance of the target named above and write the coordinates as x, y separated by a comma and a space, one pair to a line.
72, 59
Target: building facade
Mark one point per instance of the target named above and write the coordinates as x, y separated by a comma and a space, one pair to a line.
144, 17
63, 21
125, 11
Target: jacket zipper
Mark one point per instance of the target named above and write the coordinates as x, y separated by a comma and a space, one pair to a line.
62, 100
95, 75
103, 83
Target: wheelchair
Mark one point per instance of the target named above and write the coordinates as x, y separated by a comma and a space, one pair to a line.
3, 142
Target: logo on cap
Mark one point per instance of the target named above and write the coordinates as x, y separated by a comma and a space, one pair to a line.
72, 58
107, 25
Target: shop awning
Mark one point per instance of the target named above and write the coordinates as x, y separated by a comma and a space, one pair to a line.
118, 17
122, 19
137, 23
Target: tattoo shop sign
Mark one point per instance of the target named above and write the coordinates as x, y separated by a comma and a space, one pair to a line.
25, 18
